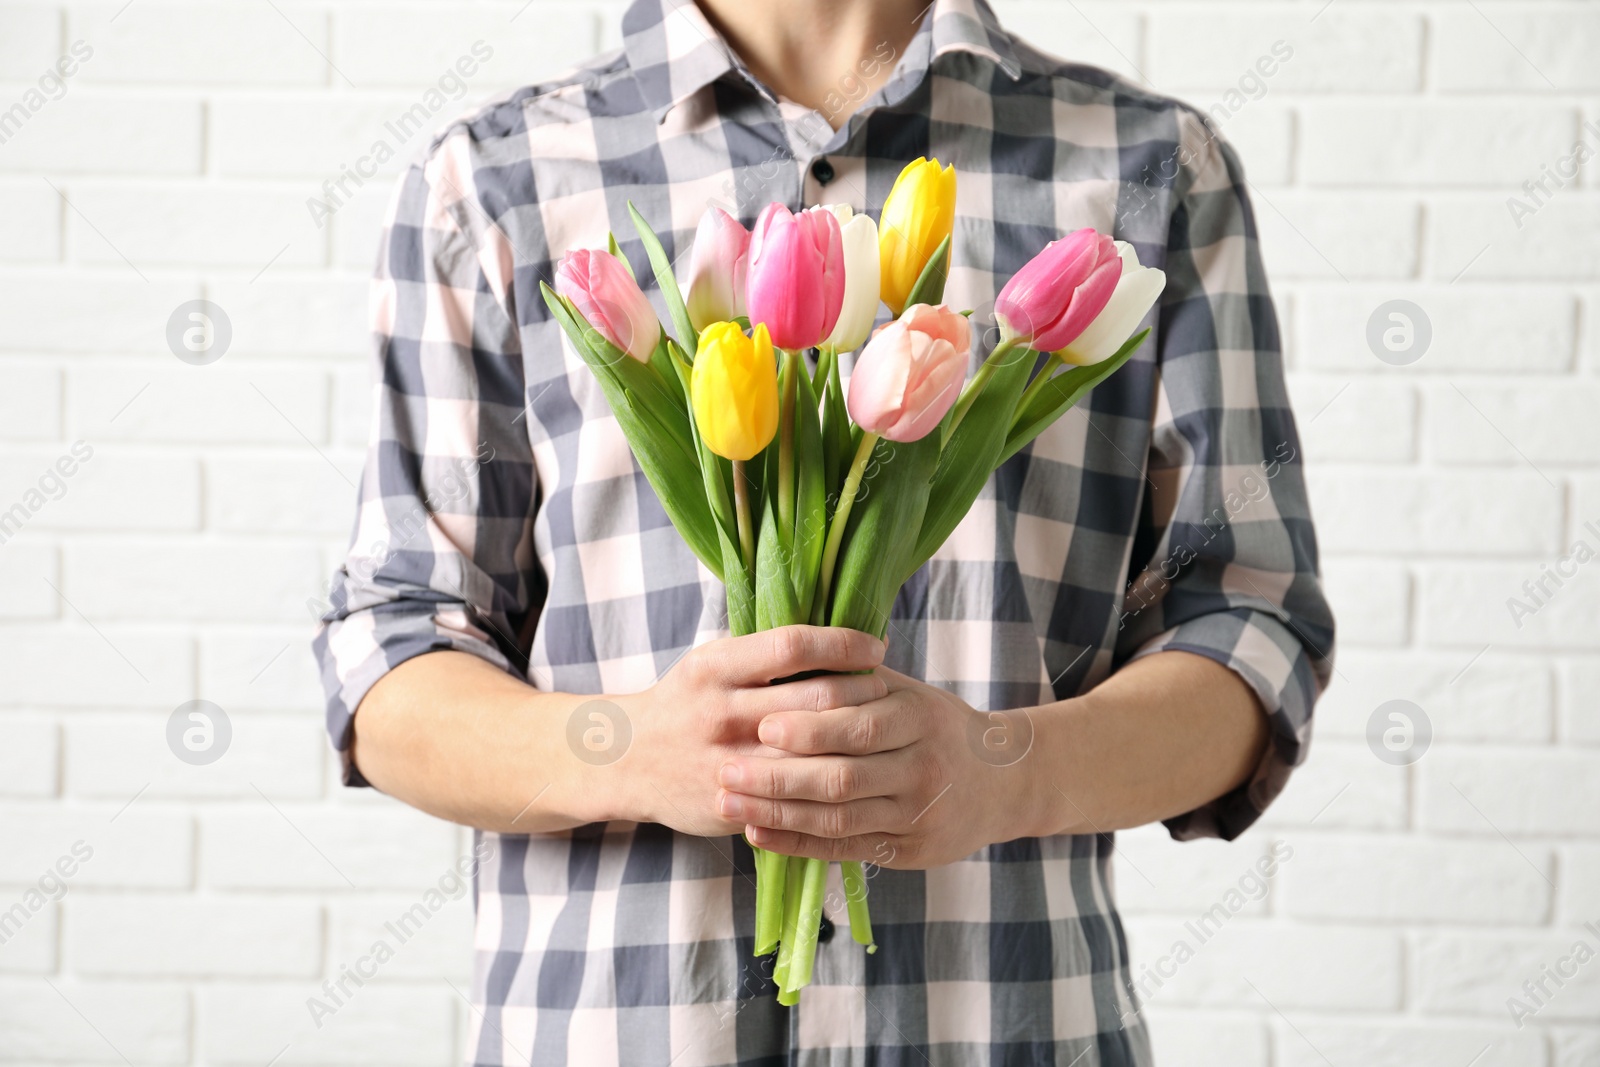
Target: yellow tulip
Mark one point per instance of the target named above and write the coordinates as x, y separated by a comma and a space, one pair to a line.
734, 390
917, 216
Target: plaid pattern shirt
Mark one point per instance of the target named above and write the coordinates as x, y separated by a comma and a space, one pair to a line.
502, 514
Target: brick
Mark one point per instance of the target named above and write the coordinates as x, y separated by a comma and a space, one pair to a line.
299, 316
1507, 46
1510, 791
1480, 240
357, 227
1371, 599
1514, 423
124, 935
418, 45
30, 40
1580, 884
1103, 35
1442, 145
29, 754
1202, 1039
319, 137
1262, 135
1466, 696
240, 581
1379, 511
1474, 328
1580, 701
1405, 880
72, 665
33, 224
93, 1022
1156, 875
110, 135
30, 406
162, 225
115, 488
1360, 421
380, 848
114, 756
26, 572
1358, 969
1364, 49
1475, 974
352, 405
280, 494
271, 670
1474, 605
1342, 786
251, 1024
200, 44
1575, 1048
1410, 1044
440, 946
1337, 236
133, 843
43, 312
28, 937
233, 403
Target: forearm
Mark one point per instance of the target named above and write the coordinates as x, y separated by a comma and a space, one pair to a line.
457, 737
1160, 737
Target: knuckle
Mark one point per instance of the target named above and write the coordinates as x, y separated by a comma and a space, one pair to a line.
867, 731
837, 822
840, 783
788, 646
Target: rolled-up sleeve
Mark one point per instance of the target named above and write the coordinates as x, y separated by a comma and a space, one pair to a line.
440, 557
1226, 556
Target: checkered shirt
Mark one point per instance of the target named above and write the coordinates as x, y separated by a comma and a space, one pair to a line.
502, 514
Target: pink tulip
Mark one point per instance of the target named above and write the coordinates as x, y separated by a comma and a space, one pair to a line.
796, 283
910, 373
717, 269
609, 299
1058, 292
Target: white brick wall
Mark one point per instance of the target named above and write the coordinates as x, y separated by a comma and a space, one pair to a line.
177, 561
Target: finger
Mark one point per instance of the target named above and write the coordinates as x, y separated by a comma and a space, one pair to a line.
895, 681
810, 817
880, 726
833, 779
883, 850
822, 693
762, 658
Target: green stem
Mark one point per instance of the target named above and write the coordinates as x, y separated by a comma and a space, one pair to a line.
770, 871
786, 449
794, 875
827, 356
741, 495
855, 895
841, 518
809, 924
1036, 386
979, 380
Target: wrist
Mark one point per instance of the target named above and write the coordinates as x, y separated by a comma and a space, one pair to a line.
1049, 803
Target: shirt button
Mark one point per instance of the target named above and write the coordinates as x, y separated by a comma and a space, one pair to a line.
822, 170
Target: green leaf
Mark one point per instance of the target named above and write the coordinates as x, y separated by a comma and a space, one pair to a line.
929, 288
1061, 393
810, 494
872, 563
657, 428
971, 455
776, 603
666, 280
837, 443
616, 250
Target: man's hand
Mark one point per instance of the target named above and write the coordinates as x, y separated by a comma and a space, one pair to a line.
704, 712
894, 782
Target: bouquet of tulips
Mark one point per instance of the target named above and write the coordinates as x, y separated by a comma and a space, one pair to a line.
811, 501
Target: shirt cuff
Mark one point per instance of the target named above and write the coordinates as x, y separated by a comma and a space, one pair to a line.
356, 650
1274, 662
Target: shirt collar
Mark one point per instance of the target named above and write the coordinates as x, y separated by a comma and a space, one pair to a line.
674, 51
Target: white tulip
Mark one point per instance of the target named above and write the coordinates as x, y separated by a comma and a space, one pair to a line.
1136, 292
861, 274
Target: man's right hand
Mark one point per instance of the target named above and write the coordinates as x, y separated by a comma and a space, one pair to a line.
707, 706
